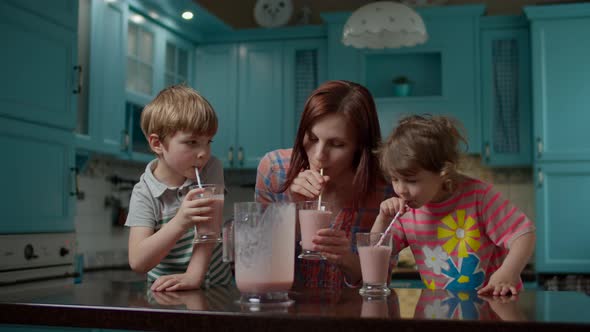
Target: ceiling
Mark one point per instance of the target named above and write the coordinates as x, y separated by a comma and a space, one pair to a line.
239, 14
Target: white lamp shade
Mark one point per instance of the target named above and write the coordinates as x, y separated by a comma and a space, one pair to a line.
384, 24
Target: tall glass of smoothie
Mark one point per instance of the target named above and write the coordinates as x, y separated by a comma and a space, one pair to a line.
210, 231
313, 216
375, 261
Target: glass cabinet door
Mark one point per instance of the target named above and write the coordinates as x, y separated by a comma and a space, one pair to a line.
140, 56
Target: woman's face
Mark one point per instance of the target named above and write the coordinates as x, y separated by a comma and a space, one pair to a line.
331, 144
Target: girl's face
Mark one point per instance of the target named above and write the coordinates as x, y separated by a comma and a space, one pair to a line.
422, 188
331, 145
180, 155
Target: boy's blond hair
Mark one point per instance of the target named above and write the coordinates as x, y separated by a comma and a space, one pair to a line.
178, 108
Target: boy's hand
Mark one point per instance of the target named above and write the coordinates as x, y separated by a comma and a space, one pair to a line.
194, 209
309, 184
390, 207
175, 282
501, 283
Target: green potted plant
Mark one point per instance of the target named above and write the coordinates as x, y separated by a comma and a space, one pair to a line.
402, 86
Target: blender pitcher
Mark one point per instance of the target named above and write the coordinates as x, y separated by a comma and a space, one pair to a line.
262, 241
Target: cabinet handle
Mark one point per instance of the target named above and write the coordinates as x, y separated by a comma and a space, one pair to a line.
487, 151
124, 140
241, 156
76, 189
539, 147
78, 78
230, 156
540, 177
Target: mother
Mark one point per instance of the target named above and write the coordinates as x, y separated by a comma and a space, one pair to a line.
338, 132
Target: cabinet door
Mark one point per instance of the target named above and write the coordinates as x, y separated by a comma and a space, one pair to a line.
506, 107
304, 70
561, 89
216, 79
260, 116
63, 12
37, 65
106, 118
37, 176
563, 207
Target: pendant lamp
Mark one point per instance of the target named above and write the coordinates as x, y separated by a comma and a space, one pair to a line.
384, 24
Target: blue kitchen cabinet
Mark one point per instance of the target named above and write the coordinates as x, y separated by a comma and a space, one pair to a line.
304, 63
62, 12
245, 83
39, 71
216, 79
260, 117
506, 93
562, 210
102, 127
561, 81
39, 176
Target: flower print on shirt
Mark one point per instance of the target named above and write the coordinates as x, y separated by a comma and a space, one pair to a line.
436, 258
436, 310
461, 233
466, 276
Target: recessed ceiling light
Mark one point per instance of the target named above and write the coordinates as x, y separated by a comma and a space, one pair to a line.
135, 18
187, 15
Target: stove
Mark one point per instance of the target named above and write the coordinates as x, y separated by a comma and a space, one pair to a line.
27, 257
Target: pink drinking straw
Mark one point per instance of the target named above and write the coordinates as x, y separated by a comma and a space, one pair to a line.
388, 229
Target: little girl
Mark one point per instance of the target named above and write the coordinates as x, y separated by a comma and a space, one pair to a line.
464, 235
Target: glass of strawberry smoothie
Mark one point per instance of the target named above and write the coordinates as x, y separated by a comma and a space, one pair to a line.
313, 216
375, 261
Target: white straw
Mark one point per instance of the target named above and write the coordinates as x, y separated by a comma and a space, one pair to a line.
198, 177
388, 229
320, 198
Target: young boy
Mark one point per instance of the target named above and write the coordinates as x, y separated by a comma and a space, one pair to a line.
163, 213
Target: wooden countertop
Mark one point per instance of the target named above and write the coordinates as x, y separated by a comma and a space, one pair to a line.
130, 305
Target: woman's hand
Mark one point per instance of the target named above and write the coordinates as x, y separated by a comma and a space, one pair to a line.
332, 244
309, 184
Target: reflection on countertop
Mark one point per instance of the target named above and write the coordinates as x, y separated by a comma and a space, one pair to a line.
121, 300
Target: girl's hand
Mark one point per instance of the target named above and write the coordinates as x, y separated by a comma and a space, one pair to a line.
390, 206
194, 209
175, 282
309, 184
332, 244
501, 283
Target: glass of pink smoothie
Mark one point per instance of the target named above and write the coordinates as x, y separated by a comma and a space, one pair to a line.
210, 231
375, 261
313, 216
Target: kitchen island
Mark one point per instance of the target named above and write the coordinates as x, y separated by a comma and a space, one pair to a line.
130, 305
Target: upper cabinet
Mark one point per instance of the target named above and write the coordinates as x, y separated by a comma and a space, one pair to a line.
131, 58
256, 89
505, 90
443, 72
38, 62
61, 12
561, 84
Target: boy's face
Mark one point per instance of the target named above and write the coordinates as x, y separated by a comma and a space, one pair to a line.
331, 145
419, 189
180, 154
